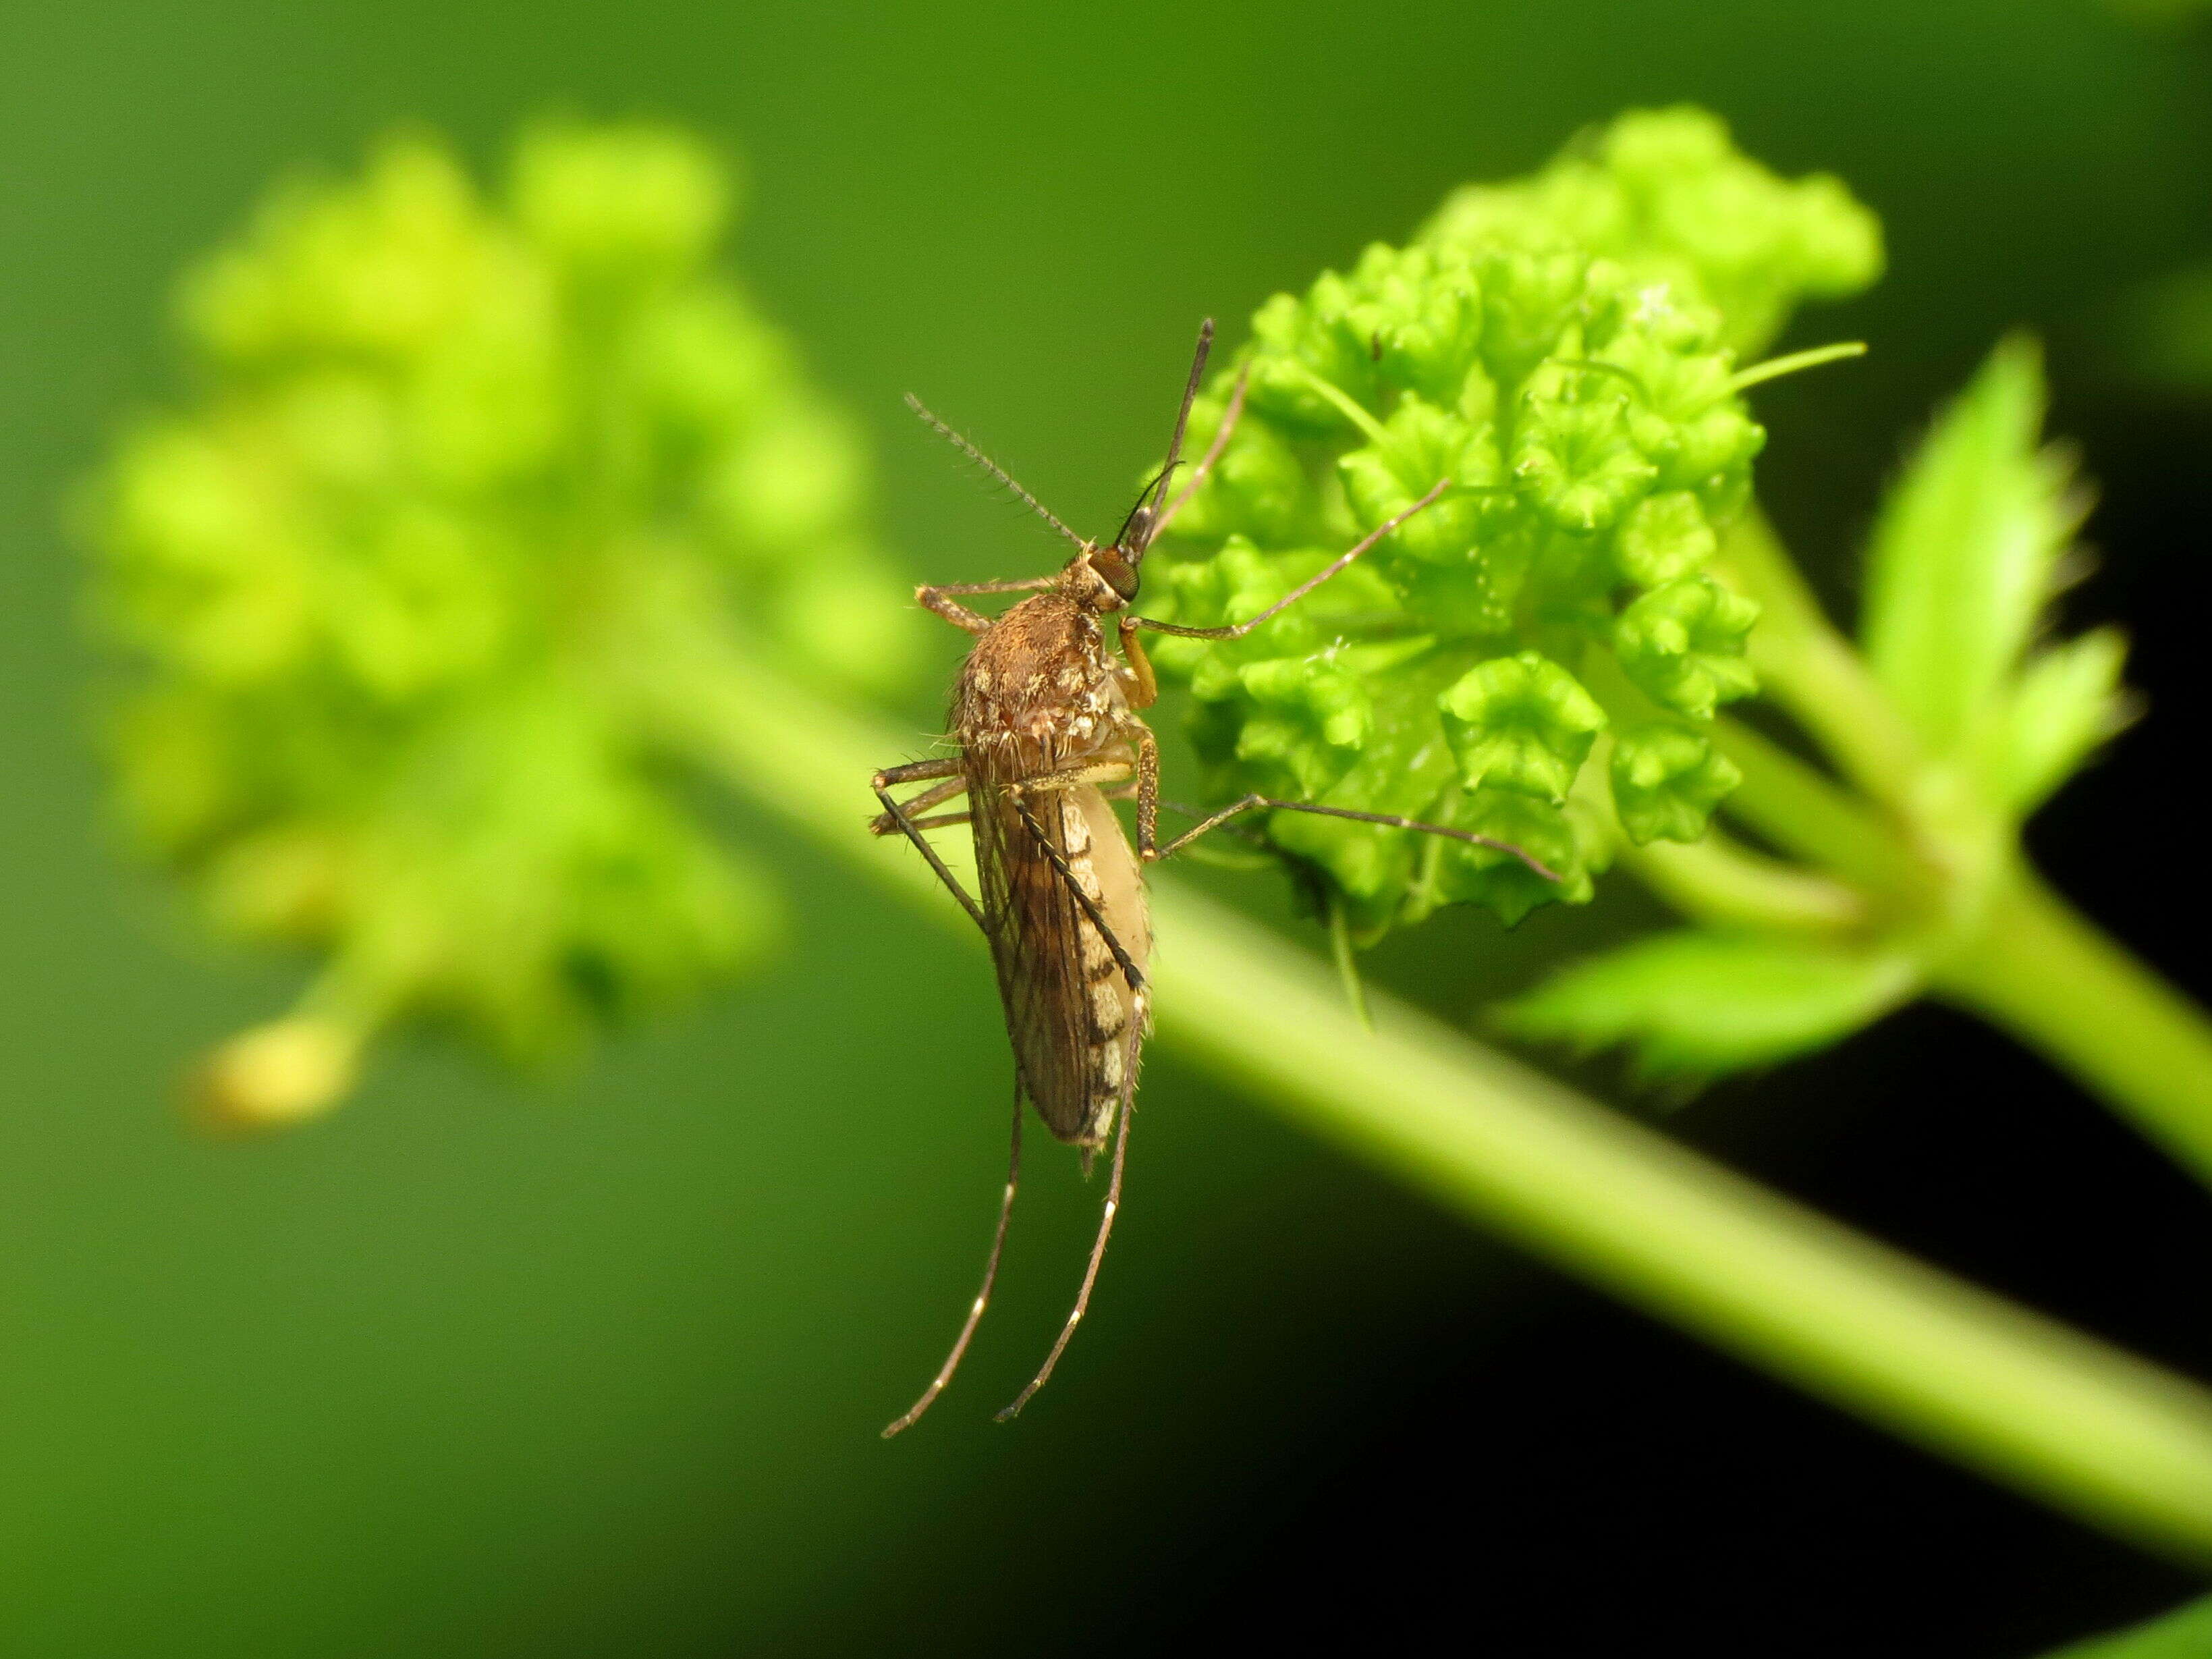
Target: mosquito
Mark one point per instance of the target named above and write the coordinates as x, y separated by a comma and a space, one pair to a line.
1048, 729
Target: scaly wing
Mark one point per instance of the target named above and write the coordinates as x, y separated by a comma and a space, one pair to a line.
1037, 944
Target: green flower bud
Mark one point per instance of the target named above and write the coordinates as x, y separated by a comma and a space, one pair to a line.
1666, 780
1562, 350
1666, 538
1521, 723
1682, 644
1575, 457
1665, 192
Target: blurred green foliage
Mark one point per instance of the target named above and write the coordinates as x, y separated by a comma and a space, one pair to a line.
380, 580
1563, 350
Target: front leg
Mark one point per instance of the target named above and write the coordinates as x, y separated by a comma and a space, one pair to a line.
943, 601
1144, 688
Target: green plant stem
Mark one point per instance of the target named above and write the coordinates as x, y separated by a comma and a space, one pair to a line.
1795, 362
1346, 957
2012, 951
1802, 812
1718, 881
2022, 959
2040, 971
2185, 1633
2092, 1431
1810, 669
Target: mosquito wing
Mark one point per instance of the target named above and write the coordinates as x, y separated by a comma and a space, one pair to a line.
1070, 1015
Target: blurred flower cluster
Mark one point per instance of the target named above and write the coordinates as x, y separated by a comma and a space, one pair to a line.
1564, 349
382, 578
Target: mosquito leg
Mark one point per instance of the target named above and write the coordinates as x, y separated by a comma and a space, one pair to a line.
882, 783
1098, 1248
1023, 585
913, 1413
1253, 803
1133, 976
882, 824
916, 771
943, 602
1147, 746
1239, 630
1075, 777
1144, 686
944, 821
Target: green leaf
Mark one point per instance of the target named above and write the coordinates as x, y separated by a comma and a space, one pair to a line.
1666, 780
2068, 704
1964, 552
1683, 645
1701, 1003
1521, 723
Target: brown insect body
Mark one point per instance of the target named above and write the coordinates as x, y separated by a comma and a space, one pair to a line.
1041, 695
1047, 719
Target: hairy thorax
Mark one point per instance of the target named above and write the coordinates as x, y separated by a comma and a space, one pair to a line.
1041, 690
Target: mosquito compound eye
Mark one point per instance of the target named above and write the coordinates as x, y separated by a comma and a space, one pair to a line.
1121, 575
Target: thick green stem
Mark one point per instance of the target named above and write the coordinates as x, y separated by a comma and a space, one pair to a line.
2092, 1431
2042, 972
2185, 1633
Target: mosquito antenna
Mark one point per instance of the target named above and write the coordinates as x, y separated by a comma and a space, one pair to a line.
960, 442
1199, 473
913, 1413
1143, 522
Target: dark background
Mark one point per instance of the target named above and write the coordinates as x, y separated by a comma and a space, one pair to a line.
595, 1366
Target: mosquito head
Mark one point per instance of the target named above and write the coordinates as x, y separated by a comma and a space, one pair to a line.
1100, 579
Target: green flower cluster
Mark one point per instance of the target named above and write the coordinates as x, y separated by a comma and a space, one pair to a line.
1564, 352
379, 582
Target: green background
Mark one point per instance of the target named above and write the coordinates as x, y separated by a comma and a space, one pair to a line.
596, 1365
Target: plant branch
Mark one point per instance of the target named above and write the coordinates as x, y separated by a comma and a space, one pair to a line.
1800, 810
1718, 881
2040, 971
1811, 669
2087, 1429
